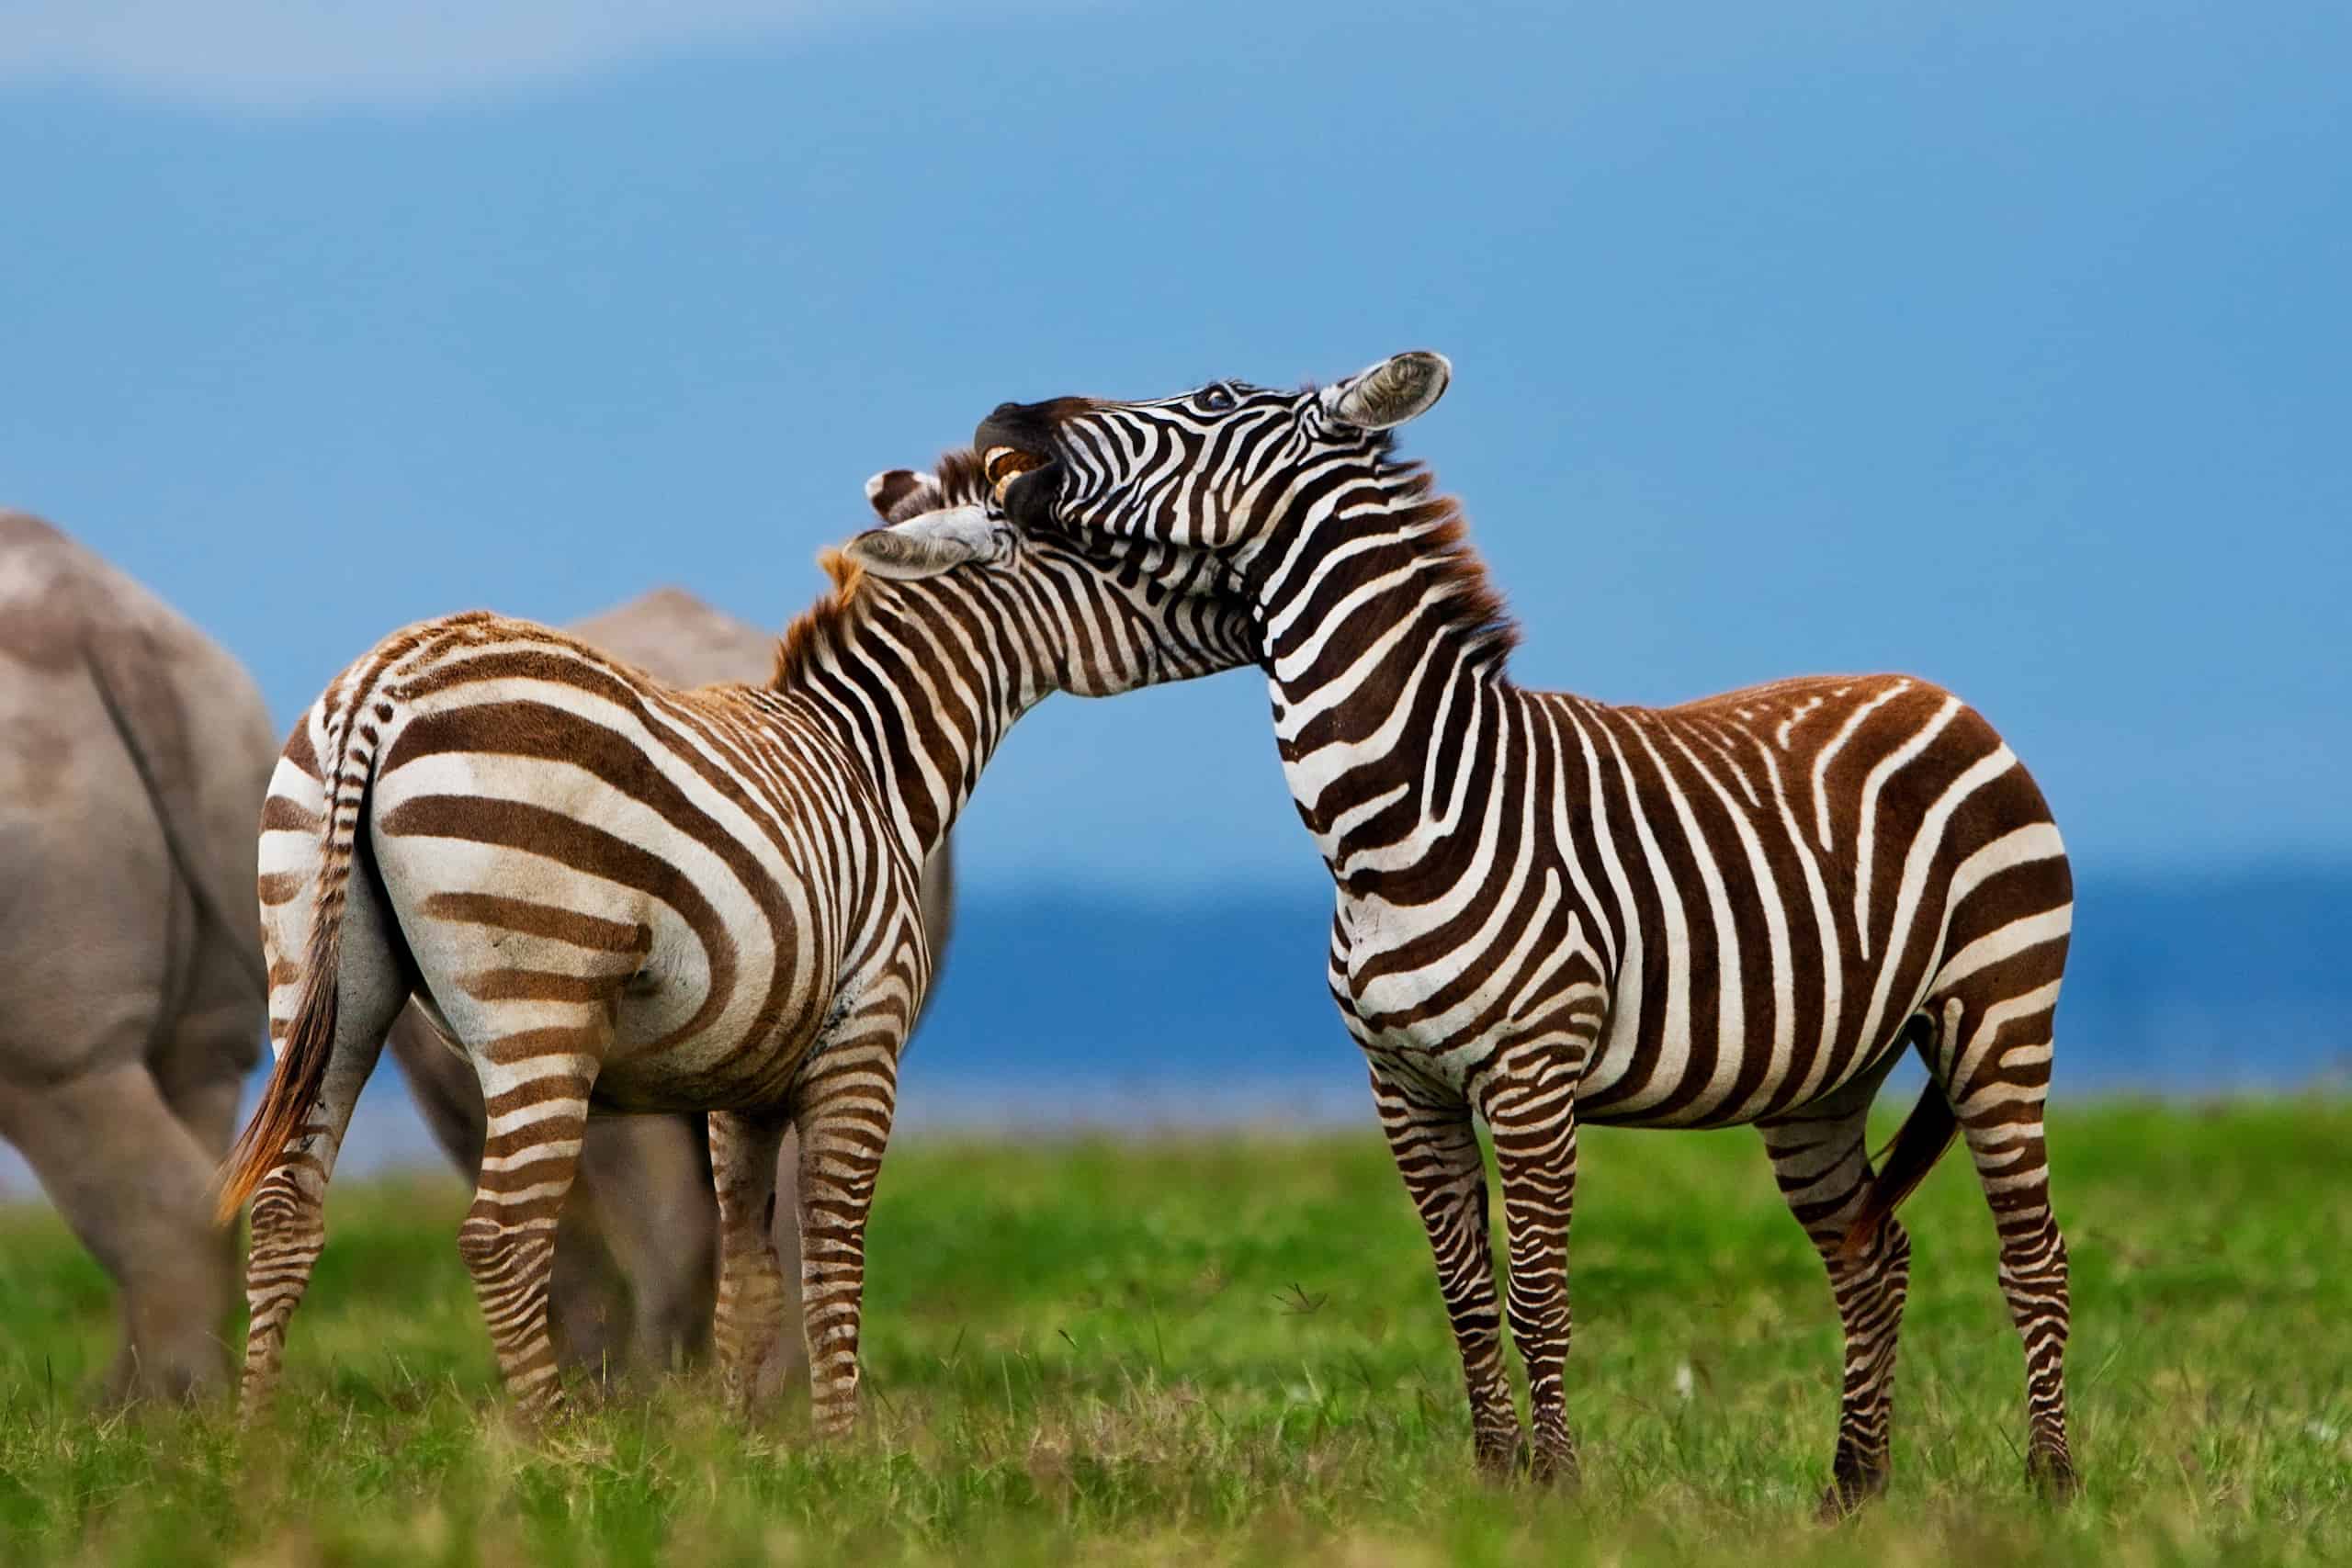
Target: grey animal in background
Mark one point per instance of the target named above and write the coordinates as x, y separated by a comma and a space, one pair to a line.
636, 1251
134, 754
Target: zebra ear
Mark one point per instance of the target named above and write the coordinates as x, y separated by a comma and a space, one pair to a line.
931, 544
1387, 394
890, 493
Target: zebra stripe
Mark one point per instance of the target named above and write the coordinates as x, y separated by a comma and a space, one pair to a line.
611, 892
1553, 910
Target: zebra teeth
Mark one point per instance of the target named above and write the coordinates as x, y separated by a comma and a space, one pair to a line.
1003, 465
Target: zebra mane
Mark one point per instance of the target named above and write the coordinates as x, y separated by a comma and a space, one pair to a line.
959, 481
1444, 539
821, 624
956, 479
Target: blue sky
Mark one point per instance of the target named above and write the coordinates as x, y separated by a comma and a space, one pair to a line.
2009, 346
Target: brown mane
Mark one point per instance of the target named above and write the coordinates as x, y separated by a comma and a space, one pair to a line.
1481, 612
821, 625
956, 479
960, 479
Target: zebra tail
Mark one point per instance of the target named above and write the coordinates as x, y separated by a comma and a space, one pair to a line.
1904, 1163
296, 1082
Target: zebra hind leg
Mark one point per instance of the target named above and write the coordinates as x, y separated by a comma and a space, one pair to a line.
1529, 1106
1993, 1061
1436, 1150
536, 1085
288, 1211
1821, 1164
289, 1225
749, 1316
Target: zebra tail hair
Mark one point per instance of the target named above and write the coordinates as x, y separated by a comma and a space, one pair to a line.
302, 1070
1904, 1163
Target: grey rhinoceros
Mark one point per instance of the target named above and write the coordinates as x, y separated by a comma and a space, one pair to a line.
135, 753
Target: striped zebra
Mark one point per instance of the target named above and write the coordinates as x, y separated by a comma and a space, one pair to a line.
1552, 911
611, 892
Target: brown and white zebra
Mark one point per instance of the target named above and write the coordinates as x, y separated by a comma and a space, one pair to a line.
611, 892
1553, 911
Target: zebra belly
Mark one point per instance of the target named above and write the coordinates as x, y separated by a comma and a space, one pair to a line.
1663, 1065
1777, 1098
720, 1068
1457, 1065
1435, 1027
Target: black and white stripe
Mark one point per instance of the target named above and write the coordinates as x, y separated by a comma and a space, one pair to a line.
1553, 911
608, 891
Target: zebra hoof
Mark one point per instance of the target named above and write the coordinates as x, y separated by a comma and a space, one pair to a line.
1557, 1467
1847, 1495
2053, 1475
1502, 1457
543, 1409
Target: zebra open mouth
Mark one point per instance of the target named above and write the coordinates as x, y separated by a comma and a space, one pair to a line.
1003, 465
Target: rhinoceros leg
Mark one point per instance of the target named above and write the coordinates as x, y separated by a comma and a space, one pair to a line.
648, 1181
133, 1182
203, 1066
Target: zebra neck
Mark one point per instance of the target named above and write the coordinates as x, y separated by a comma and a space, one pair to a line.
1386, 651
906, 691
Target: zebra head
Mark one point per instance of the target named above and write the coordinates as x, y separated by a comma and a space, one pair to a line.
1195, 486
1100, 627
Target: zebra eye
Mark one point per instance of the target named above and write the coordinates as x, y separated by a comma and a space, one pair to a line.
1216, 400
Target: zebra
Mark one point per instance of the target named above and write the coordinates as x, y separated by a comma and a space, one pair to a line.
610, 892
1552, 911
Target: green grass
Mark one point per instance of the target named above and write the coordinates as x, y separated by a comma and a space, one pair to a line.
1231, 1350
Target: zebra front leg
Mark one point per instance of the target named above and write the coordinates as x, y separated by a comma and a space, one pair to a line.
750, 1316
1436, 1150
1821, 1163
845, 1107
535, 1088
1530, 1105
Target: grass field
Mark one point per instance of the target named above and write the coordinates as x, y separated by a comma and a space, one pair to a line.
1231, 1350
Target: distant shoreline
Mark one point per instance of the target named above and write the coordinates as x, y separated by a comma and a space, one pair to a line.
387, 1141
